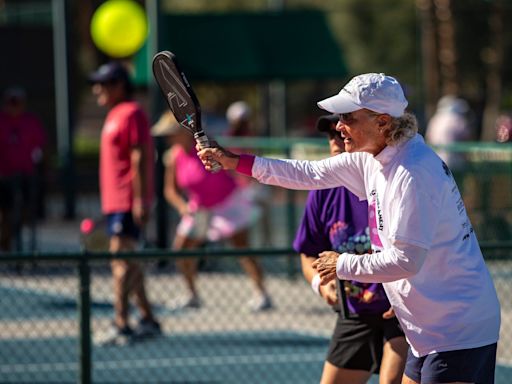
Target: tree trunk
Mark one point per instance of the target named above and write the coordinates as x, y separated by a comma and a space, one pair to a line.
447, 52
429, 56
493, 57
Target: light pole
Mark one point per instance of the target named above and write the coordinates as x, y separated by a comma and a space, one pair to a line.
62, 96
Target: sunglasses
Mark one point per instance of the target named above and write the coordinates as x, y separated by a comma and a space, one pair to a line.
348, 118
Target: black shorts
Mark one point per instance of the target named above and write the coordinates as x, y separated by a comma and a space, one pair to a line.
357, 343
474, 365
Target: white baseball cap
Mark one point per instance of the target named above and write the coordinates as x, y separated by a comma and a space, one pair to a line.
239, 110
374, 91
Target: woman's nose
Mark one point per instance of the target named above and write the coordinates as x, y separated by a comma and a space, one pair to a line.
340, 126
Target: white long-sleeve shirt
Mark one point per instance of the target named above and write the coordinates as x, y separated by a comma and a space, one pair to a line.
431, 264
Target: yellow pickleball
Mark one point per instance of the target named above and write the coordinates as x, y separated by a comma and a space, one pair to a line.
119, 28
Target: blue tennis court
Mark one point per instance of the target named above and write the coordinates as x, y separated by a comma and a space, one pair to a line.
39, 342
273, 357
217, 357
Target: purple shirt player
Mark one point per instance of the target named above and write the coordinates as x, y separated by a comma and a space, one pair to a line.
335, 219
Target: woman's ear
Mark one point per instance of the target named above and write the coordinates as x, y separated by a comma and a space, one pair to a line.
383, 121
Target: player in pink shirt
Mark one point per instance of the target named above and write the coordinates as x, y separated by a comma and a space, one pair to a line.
212, 208
126, 186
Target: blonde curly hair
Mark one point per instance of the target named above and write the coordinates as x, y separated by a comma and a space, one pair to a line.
402, 129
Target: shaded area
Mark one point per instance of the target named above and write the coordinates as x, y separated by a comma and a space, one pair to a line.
23, 303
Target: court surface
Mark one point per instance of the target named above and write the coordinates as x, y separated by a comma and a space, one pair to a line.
263, 357
180, 355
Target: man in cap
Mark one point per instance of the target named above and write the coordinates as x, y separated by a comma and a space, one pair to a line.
430, 262
126, 186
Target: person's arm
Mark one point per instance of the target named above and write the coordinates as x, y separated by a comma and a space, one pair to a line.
328, 291
139, 209
398, 262
171, 191
341, 170
215, 153
412, 228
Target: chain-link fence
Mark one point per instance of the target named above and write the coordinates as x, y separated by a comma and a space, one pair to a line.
52, 313
47, 307
55, 305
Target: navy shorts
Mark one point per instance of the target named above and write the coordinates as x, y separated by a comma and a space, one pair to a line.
357, 343
475, 365
122, 224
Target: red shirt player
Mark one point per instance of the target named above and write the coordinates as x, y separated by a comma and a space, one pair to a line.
126, 186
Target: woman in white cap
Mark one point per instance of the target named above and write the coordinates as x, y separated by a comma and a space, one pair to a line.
430, 262
212, 208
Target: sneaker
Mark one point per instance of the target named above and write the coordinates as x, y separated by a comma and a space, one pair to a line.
186, 302
260, 303
147, 328
115, 336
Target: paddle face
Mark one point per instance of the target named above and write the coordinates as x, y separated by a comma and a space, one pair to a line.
177, 91
180, 97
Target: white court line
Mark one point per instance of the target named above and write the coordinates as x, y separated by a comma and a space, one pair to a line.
167, 363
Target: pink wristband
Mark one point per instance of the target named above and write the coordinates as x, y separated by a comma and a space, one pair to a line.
245, 163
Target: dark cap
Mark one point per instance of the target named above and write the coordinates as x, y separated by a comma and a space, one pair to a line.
112, 71
323, 124
15, 93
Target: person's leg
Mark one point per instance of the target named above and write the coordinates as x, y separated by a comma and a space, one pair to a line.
249, 264
261, 300
120, 333
136, 285
148, 326
187, 266
335, 375
393, 360
128, 279
120, 275
408, 380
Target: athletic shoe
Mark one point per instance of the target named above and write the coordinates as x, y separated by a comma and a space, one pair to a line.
260, 303
186, 302
147, 328
115, 336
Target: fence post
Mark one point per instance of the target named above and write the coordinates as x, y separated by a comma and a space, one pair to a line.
290, 214
84, 308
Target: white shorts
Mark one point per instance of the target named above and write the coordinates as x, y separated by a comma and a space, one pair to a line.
222, 221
